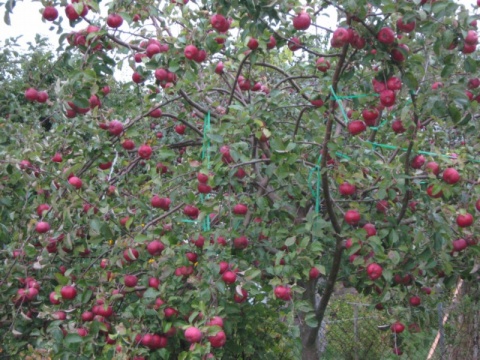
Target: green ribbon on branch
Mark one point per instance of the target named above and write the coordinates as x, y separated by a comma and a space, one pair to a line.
206, 156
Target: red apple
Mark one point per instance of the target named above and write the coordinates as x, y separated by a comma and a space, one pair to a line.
302, 21
370, 116
432, 167
430, 193
155, 247
68, 292
405, 27
374, 271
394, 83
31, 94
340, 37
180, 129
252, 44
41, 208
240, 298
347, 189
130, 280
271, 43
75, 182
451, 176
415, 301
314, 273
283, 292
219, 23
190, 51
145, 151
386, 36
240, 243
460, 244
42, 97
128, 144
464, 220
115, 127
130, 254
356, 127
42, 227
191, 211
193, 335
397, 126
50, 13
417, 162
294, 44
240, 209
352, 217
217, 340
387, 98
229, 277
370, 229
114, 21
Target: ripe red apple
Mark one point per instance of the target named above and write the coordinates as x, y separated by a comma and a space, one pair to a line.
130, 280
294, 44
50, 13
71, 13
130, 254
471, 38
405, 27
156, 113
128, 144
137, 78
252, 44
59, 315
217, 340
240, 209
394, 83
415, 301
155, 247
347, 189
219, 68
145, 151
437, 85
41, 208
190, 51
430, 193
114, 21
370, 229
42, 97
352, 217
433, 167
386, 36
370, 116
397, 327
68, 292
115, 127
219, 23
31, 94
240, 243
302, 21
356, 127
451, 176
397, 126
464, 220
180, 129
399, 53
340, 37
191, 211
240, 298
460, 244
42, 227
229, 277
54, 298
193, 335
314, 273
283, 292
75, 182
387, 98
271, 43
374, 271
417, 162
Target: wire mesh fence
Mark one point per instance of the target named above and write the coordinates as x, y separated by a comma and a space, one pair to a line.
356, 331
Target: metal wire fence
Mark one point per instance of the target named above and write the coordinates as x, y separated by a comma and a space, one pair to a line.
355, 331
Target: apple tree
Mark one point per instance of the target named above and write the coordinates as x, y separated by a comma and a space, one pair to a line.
259, 154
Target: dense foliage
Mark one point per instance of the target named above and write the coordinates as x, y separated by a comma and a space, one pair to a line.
208, 207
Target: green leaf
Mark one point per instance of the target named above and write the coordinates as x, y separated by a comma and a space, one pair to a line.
73, 339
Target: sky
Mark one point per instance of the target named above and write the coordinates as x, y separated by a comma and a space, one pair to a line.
26, 21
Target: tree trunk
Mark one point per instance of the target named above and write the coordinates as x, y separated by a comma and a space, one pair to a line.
310, 351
